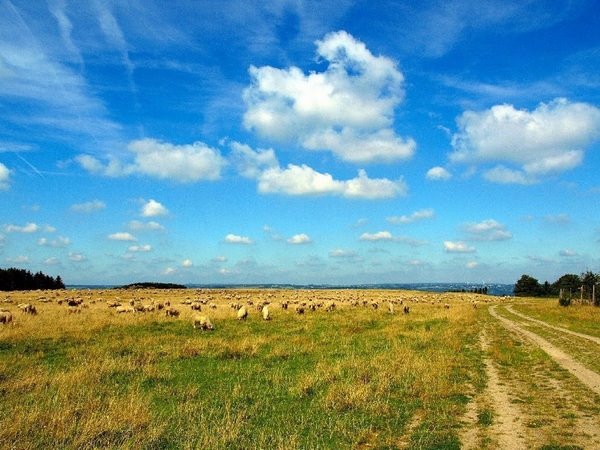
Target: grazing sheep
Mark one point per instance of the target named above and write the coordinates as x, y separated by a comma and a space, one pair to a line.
242, 313
374, 305
299, 309
196, 306
284, 305
330, 307
446, 305
202, 323
390, 307
312, 306
28, 308
212, 306
265, 313
6, 317
406, 309
124, 309
171, 312
474, 305
113, 304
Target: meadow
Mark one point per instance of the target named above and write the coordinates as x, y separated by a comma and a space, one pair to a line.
356, 377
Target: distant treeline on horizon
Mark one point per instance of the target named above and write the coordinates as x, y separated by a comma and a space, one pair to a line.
13, 279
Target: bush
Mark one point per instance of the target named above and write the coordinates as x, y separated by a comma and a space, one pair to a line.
564, 301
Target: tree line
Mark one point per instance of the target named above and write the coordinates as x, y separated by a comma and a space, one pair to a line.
571, 285
23, 280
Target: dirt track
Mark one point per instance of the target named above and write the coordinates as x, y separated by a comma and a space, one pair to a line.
588, 377
547, 325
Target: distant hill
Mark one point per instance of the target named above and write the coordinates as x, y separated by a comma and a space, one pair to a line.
149, 285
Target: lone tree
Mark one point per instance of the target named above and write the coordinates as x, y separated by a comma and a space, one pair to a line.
528, 286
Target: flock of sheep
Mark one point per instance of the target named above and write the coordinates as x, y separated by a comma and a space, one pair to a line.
240, 302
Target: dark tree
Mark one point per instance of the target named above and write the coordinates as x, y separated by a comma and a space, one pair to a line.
569, 283
19, 279
528, 286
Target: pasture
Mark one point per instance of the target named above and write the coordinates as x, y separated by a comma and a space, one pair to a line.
358, 376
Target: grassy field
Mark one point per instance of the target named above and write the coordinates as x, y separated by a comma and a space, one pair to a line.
357, 377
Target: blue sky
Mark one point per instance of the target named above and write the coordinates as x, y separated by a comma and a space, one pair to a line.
300, 141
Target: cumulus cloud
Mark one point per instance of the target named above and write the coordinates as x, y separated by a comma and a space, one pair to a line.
219, 259
422, 214
169, 271
550, 139
347, 109
4, 177
163, 160
122, 236
235, 239
52, 261
458, 247
187, 263
250, 163
298, 239
342, 253
304, 180
567, 253
438, 173
60, 242
152, 208
136, 225
21, 259
27, 228
88, 207
488, 230
472, 265
379, 236
77, 257
140, 248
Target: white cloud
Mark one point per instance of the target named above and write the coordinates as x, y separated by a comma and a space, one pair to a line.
88, 207
121, 236
27, 228
187, 263
568, 253
298, 239
21, 259
379, 236
60, 242
472, 265
152, 208
414, 217
304, 180
488, 230
136, 225
140, 248
458, 247
235, 239
438, 173
52, 261
219, 259
250, 163
342, 253
4, 177
347, 109
550, 139
77, 257
169, 271
181, 163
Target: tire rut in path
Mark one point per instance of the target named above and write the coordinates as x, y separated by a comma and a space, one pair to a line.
554, 327
507, 428
588, 377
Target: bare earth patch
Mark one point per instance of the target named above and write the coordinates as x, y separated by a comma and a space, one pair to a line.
588, 377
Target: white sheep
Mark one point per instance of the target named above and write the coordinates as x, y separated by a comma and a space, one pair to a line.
242, 313
265, 313
6, 317
202, 322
